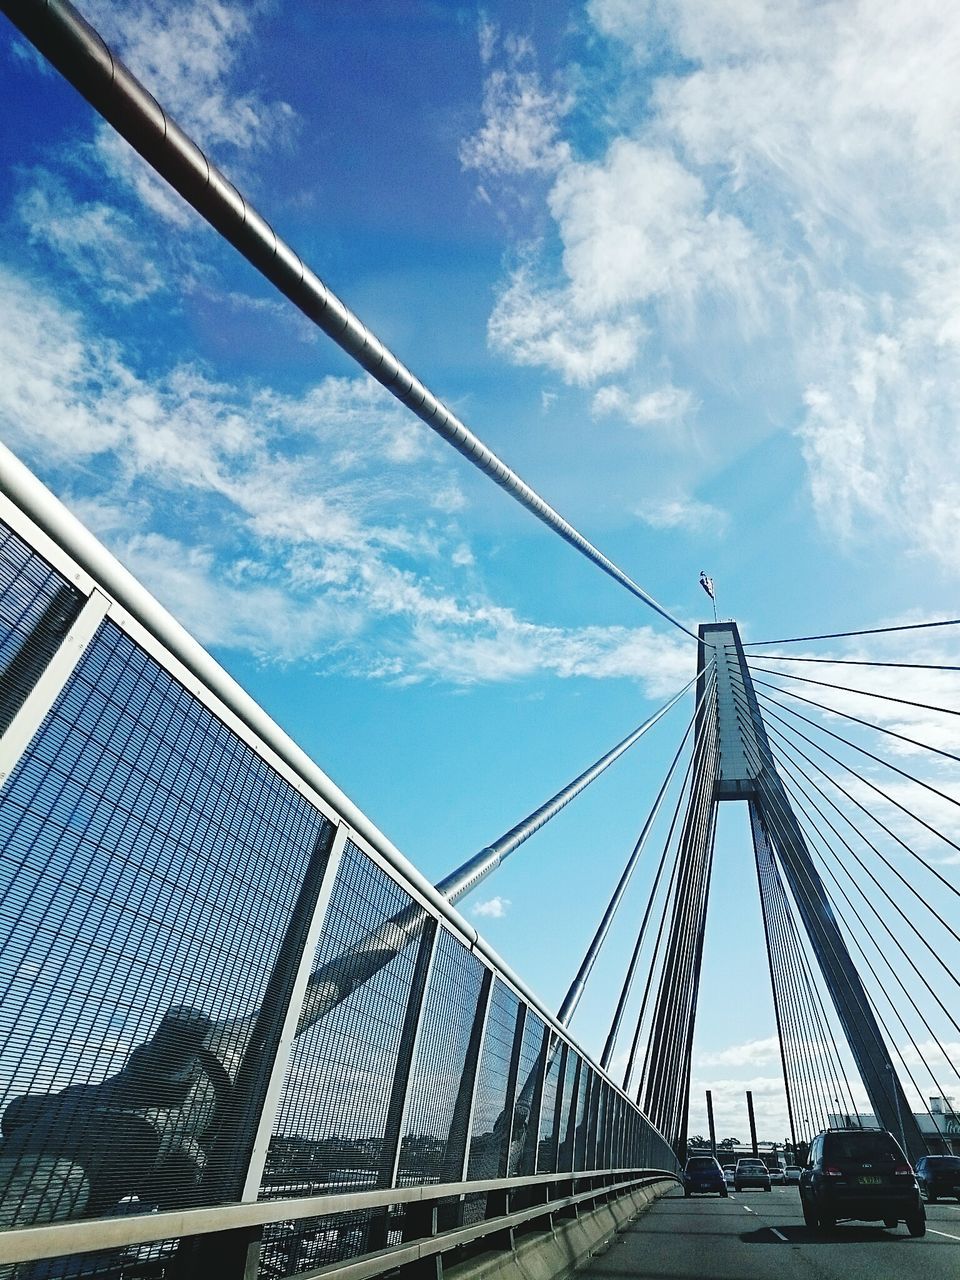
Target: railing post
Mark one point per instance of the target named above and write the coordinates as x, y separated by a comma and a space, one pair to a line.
236, 1167
23, 711
566, 1153
510, 1100
396, 1107
457, 1154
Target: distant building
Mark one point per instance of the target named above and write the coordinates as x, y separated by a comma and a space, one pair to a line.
939, 1124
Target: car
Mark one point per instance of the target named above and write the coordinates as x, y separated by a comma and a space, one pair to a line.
791, 1173
863, 1174
728, 1173
776, 1176
938, 1176
751, 1173
703, 1174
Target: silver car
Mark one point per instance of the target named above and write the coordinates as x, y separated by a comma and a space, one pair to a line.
751, 1173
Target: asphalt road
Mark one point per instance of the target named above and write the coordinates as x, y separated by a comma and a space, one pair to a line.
756, 1235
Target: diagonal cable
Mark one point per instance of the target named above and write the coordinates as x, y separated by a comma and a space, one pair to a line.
866, 693
856, 662
783, 754
867, 724
838, 737
811, 824
870, 631
890, 800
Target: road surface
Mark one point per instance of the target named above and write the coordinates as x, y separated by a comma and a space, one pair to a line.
758, 1235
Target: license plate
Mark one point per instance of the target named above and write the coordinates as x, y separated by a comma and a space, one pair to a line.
869, 1180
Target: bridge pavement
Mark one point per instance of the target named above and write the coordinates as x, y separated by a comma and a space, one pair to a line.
760, 1236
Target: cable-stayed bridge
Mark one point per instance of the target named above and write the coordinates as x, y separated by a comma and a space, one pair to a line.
242, 1034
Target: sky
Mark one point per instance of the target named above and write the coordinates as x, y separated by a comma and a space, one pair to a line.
692, 269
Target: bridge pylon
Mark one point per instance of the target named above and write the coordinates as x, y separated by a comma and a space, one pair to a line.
733, 761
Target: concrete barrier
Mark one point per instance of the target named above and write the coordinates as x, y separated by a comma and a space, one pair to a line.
557, 1253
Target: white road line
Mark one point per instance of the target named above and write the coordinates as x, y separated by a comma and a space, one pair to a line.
778, 1235
942, 1233
749, 1210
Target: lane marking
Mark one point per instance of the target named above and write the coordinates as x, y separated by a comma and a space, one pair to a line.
934, 1232
749, 1210
779, 1236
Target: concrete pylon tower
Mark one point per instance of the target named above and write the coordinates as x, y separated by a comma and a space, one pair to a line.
732, 744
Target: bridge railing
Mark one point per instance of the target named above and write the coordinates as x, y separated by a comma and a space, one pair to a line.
222, 986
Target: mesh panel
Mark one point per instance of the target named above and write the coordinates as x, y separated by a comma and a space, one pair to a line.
37, 607
330, 1126
583, 1119
526, 1119
487, 1136
603, 1116
547, 1151
432, 1149
294, 1246
148, 864
568, 1112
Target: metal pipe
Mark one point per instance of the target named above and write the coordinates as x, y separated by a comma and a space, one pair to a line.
79, 53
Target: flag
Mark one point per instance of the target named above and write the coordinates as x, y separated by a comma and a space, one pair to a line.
707, 584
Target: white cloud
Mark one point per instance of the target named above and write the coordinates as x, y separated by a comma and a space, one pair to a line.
536, 326
755, 1053
493, 908
96, 241
185, 53
295, 504
684, 513
665, 404
786, 198
520, 132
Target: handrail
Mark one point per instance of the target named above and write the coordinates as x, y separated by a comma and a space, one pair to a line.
56, 1239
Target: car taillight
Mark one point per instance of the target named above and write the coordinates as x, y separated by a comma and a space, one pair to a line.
830, 1172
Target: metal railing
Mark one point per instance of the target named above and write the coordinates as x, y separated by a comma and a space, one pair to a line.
231, 1010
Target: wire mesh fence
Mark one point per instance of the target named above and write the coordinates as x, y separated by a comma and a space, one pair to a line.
154, 866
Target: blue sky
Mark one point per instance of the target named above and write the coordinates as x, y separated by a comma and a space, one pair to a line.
692, 269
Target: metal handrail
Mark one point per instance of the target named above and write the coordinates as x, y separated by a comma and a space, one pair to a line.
52, 1240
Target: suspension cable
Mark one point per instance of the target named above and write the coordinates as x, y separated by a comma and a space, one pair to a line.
572, 998
628, 980
838, 737
811, 825
855, 1000
866, 693
872, 631
857, 662
671, 888
792, 751
631, 969
880, 792
873, 1003
867, 724
804, 991
798, 788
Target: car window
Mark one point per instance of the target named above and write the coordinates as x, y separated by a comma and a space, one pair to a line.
701, 1162
943, 1162
859, 1146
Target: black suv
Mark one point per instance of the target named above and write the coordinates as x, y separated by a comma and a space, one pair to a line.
939, 1176
859, 1173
